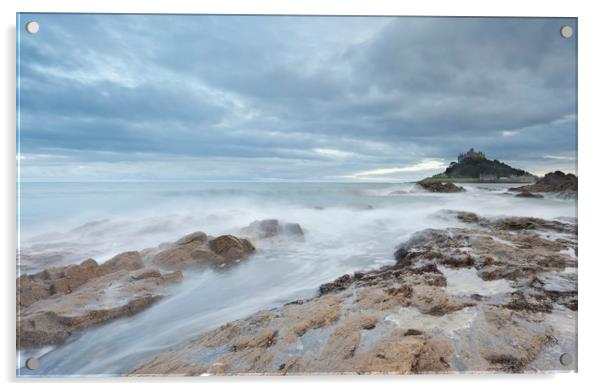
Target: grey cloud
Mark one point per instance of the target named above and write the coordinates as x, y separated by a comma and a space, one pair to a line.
260, 87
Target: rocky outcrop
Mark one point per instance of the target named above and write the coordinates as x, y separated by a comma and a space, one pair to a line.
511, 248
328, 334
270, 228
515, 223
198, 250
484, 297
528, 194
55, 303
64, 280
552, 182
441, 187
231, 248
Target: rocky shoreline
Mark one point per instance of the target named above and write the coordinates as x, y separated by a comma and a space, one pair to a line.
487, 294
57, 302
441, 187
494, 295
557, 182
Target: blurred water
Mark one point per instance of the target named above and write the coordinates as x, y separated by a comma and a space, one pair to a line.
348, 227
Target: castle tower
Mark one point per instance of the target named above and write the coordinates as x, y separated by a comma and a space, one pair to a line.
471, 154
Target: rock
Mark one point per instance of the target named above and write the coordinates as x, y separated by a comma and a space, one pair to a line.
55, 303
529, 336
186, 257
345, 339
63, 280
230, 247
527, 194
440, 187
197, 250
515, 224
530, 223
264, 339
424, 244
560, 225
552, 182
505, 248
55, 325
199, 236
330, 329
262, 229
530, 302
433, 300
339, 284
468, 217
31, 288
130, 260
404, 318
403, 354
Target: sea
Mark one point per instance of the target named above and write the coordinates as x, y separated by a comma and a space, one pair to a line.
348, 227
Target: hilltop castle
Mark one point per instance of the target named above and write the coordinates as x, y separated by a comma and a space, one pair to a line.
471, 154
473, 166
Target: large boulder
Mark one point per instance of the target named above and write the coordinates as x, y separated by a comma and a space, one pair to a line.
197, 250
230, 247
441, 187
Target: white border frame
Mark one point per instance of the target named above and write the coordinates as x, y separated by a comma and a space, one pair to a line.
590, 99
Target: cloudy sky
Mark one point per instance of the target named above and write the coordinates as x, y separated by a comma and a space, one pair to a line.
141, 97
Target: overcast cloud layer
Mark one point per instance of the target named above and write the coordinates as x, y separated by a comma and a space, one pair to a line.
114, 97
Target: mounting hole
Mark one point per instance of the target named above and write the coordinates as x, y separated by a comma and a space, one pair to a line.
32, 27
566, 31
566, 359
32, 363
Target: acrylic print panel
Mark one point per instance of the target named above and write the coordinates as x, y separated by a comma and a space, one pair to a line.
277, 195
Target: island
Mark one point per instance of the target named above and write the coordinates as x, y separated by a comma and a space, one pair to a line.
473, 166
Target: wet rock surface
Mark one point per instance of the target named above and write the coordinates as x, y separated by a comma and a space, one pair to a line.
55, 303
198, 250
553, 182
528, 194
441, 187
495, 295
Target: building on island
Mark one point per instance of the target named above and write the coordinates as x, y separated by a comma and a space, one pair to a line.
471, 154
528, 178
488, 177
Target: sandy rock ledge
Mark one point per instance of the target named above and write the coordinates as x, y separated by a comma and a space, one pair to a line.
495, 295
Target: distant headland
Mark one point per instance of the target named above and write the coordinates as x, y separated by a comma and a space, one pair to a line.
473, 166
